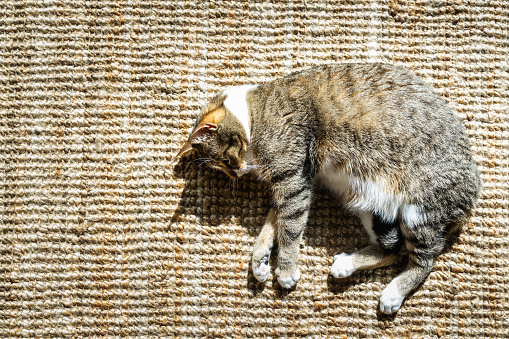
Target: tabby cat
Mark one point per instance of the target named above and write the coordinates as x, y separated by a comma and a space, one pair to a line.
376, 135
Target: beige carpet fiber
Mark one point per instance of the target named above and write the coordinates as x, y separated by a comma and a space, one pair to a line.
104, 232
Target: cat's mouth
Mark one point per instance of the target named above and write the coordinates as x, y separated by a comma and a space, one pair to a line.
241, 171
229, 172
234, 173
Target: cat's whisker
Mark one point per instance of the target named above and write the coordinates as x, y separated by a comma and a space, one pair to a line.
201, 159
204, 161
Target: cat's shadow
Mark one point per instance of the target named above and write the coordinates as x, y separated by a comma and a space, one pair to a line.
211, 198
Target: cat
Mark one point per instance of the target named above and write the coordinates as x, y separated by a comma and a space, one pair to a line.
376, 135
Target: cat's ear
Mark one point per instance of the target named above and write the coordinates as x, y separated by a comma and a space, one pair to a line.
200, 133
186, 148
214, 117
207, 126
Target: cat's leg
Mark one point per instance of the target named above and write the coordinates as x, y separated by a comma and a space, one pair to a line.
263, 247
367, 221
369, 257
292, 200
424, 244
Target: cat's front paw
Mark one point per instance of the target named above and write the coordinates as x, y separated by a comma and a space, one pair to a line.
261, 268
288, 280
391, 299
262, 272
342, 266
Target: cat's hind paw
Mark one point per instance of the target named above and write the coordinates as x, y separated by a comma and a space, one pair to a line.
391, 299
288, 281
342, 266
262, 272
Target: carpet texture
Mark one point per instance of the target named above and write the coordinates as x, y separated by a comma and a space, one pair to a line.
104, 232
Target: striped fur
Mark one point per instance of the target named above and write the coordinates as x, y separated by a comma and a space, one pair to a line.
376, 135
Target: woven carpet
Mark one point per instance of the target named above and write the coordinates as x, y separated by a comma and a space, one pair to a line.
104, 232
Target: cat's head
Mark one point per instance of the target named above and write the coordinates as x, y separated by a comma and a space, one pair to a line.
219, 139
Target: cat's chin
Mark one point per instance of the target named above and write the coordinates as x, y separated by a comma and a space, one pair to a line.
233, 174
229, 172
241, 171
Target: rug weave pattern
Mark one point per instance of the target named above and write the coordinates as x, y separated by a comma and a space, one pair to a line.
104, 232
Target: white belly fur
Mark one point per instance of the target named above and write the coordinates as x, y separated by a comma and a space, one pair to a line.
362, 196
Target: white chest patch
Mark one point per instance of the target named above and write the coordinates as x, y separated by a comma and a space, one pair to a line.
236, 103
362, 195
375, 197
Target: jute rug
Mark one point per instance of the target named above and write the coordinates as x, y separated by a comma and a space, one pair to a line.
104, 232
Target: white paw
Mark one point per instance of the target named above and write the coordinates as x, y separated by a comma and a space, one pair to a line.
289, 282
391, 299
342, 266
262, 272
